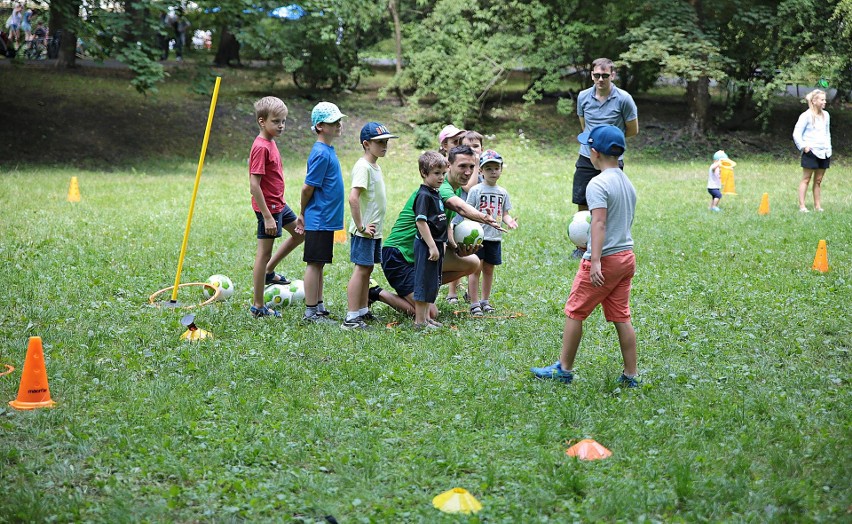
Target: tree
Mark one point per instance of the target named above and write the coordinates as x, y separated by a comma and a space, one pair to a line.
65, 21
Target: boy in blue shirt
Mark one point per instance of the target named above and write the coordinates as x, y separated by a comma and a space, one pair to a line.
606, 271
322, 207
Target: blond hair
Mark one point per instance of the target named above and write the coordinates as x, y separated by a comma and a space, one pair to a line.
269, 106
815, 112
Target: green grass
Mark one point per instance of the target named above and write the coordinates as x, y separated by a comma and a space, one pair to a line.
744, 414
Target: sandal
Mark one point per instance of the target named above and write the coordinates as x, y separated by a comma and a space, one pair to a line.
264, 311
276, 278
487, 308
453, 300
475, 311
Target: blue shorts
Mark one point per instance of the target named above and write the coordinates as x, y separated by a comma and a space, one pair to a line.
715, 193
365, 251
427, 273
398, 272
491, 252
282, 218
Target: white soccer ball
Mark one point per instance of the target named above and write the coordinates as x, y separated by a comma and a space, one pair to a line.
222, 282
468, 233
579, 228
297, 291
276, 295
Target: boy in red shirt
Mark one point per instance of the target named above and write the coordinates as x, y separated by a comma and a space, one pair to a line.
266, 180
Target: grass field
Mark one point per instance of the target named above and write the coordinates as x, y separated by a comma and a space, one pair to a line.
744, 412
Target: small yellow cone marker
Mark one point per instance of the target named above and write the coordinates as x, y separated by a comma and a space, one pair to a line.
588, 449
194, 333
457, 500
74, 190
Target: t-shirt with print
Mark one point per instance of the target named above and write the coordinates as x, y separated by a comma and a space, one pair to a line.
372, 200
613, 191
493, 200
265, 161
324, 211
428, 206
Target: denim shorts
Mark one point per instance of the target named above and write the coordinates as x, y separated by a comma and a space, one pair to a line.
282, 218
427, 273
715, 193
365, 251
398, 272
491, 252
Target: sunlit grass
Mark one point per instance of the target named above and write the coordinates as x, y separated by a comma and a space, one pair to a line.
743, 350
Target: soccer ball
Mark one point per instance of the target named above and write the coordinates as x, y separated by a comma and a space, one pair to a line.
579, 228
222, 282
468, 233
297, 291
277, 295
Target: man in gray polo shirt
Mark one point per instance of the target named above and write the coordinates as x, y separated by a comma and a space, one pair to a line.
601, 104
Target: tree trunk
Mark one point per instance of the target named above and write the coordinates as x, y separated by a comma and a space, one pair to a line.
63, 19
698, 100
397, 38
229, 49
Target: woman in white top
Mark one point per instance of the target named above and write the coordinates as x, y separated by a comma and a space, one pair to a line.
812, 135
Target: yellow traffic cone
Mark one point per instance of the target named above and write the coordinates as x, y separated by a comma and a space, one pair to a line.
727, 175
340, 237
74, 190
821, 258
764, 205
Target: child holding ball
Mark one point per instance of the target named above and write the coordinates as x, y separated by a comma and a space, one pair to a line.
607, 268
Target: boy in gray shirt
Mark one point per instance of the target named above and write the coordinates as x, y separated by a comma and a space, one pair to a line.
608, 265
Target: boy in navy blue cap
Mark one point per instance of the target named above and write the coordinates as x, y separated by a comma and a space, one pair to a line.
367, 205
608, 265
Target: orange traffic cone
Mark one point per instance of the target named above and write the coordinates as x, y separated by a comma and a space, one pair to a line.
727, 175
588, 449
74, 190
340, 237
34, 391
821, 258
764, 205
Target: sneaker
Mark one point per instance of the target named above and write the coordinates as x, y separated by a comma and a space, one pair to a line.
475, 311
323, 313
487, 308
630, 382
318, 319
355, 323
821, 210
271, 279
578, 253
716, 208
374, 293
369, 317
554, 372
804, 210
427, 326
264, 311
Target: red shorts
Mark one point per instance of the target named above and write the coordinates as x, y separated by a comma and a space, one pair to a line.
618, 272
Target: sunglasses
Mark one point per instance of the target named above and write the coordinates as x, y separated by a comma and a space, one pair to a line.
598, 76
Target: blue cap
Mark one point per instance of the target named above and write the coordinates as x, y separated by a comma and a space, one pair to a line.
375, 131
720, 155
325, 112
606, 140
490, 156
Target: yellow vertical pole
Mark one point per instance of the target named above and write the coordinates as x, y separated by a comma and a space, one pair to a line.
195, 188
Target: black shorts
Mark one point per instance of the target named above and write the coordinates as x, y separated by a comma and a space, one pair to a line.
427, 273
282, 218
584, 172
491, 252
715, 193
319, 247
811, 161
398, 272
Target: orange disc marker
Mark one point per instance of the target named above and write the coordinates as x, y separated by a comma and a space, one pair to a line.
34, 391
588, 449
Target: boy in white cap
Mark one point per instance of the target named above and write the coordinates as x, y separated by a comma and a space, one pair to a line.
608, 265
322, 207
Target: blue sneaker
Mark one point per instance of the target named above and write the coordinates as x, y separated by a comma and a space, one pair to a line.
630, 382
258, 312
554, 372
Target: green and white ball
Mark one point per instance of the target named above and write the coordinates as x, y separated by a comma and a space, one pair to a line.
579, 228
297, 291
468, 233
222, 282
276, 296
